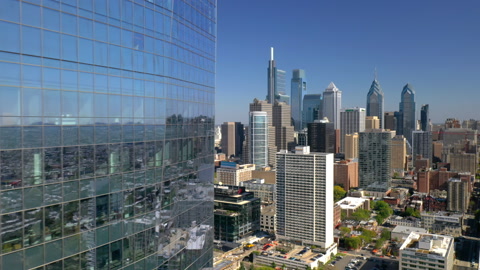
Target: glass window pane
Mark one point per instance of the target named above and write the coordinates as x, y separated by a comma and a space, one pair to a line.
115, 106
71, 212
51, 19
30, 14
10, 11
10, 73
12, 31
51, 44
31, 38
51, 103
69, 24
51, 78
32, 76
70, 191
69, 104
9, 101
32, 102
69, 48
86, 29
53, 251
85, 81
85, 51
101, 105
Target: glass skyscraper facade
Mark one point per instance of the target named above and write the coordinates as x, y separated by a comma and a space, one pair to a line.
298, 91
106, 134
375, 100
258, 138
407, 123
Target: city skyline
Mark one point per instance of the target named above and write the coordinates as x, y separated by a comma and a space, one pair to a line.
434, 52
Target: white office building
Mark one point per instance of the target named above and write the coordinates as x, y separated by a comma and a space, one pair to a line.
427, 251
305, 197
258, 138
332, 102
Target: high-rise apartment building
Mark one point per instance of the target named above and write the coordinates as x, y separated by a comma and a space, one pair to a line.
305, 197
106, 135
375, 102
312, 108
425, 118
399, 154
258, 139
422, 145
390, 120
351, 121
374, 159
407, 123
332, 103
232, 138
298, 91
322, 136
351, 146
346, 173
372, 122
458, 195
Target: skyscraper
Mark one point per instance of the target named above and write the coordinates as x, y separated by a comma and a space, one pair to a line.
425, 117
282, 123
374, 159
390, 120
372, 122
312, 108
232, 138
264, 106
407, 113
332, 102
399, 154
106, 157
276, 82
375, 101
351, 121
422, 145
298, 91
305, 197
321, 136
258, 138
351, 146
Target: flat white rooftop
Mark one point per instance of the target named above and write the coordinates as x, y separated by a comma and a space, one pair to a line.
351, 203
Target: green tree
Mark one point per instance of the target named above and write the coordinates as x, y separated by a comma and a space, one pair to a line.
383, 211
361, 214
411, 212
338, 193
345, 230
386, 234
368, 235
352, 242
274, 265
242, 267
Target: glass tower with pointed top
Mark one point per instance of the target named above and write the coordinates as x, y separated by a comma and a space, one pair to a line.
375, 102
332, 102
298, 91
425, 118
276, 82
407, 121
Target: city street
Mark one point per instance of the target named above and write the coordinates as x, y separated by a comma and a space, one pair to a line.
371, 262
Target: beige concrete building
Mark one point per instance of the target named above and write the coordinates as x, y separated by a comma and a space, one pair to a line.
232, 175
463, 162
427, 251
268, 219
232, 138
284, 130
372, 122
350, 205
345, 173
437, 149
399, 154
351, 146
458, 196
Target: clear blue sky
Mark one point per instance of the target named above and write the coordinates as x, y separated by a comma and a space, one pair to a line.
434, 45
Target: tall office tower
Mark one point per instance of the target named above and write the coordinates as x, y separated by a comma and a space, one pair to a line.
372, 122
282, 123
264, 106
321, 136
305, 197
312, 108
425, 118
375, 102
276, 82
407, 113
351, 121
332, 102
232, 138
258, 138
422, 145
351, 146
399, 154
298, 91
458, 195
374, 159
390, 121
106, 162
346, 173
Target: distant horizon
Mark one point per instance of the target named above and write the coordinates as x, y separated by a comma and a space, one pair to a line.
435, 49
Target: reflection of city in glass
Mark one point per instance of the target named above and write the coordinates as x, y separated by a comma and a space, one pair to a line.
106, 134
